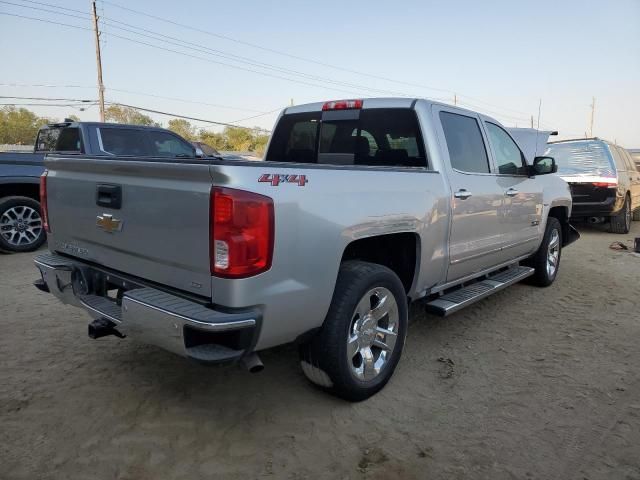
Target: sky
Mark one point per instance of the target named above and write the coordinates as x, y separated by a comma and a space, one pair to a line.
244, 59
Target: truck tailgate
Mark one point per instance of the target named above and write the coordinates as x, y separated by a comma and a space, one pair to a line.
160, 230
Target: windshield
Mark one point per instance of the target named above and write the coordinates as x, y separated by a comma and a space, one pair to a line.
582, 158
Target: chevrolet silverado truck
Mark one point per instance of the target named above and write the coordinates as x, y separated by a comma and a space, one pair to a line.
358, 208
20, 219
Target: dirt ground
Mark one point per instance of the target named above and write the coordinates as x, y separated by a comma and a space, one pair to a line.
528, 384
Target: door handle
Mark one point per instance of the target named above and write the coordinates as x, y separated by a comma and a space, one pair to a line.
462, 194
109, 196
512, 192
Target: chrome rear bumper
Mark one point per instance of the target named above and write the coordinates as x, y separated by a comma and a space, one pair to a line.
150, 315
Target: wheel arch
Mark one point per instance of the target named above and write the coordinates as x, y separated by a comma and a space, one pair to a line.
400, 252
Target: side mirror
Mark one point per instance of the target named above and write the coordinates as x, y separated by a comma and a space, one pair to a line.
198, 153
544, 165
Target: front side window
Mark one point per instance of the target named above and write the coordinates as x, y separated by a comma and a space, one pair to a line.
464, 142
508, 156
164, 144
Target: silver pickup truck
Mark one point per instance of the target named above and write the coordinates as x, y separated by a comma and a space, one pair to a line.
359, 207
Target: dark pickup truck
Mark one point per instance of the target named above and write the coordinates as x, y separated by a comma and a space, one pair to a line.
21, 228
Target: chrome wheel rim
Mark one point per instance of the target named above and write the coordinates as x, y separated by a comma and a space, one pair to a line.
20, 226
373, 332
553, 255
627, 215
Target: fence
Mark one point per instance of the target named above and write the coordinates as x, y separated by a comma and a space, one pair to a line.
15, 148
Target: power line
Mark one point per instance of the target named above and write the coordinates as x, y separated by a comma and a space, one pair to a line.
50, 99
261, 64
238, 58
159, 112
45, 21
133, 92
256, 116
278, 52
209, 51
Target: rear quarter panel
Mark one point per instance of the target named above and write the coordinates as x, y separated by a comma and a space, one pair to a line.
314, 224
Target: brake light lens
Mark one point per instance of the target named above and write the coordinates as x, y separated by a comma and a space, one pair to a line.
44, 211
241, 233
613, 183
342, 105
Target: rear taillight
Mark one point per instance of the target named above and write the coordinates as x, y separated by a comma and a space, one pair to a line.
241, 233
43, 202
613, 183
342, 105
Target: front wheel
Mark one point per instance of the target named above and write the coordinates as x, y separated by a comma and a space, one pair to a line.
359, 345
546, 261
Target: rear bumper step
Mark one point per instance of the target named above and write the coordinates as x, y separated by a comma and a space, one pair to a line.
153, 316
458, 299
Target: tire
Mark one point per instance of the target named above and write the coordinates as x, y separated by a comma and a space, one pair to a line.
621, 223
21, 227
544, 274
636, 215
345, 357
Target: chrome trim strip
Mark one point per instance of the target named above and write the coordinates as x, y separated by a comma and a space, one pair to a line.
250, 322
498, 249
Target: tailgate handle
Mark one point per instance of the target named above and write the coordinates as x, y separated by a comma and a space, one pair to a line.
109, 196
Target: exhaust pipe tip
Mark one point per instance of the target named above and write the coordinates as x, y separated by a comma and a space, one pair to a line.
594, 220
253, 363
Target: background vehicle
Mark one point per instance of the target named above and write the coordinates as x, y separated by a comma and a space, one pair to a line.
604, 181
635, 154
359, 207
20, 221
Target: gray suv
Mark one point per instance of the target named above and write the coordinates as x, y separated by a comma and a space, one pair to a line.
604, 181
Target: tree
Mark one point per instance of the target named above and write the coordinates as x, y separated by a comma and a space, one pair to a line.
183, 128
74, 118
239, 139
19, 125
120, 114
213, 139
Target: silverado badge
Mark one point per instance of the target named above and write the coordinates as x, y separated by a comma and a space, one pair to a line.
109, 224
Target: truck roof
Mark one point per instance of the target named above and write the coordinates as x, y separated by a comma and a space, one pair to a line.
385, 102
103, 124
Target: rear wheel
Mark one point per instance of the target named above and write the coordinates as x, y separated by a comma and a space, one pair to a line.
21, 228
546, 261
621, 223
359, 345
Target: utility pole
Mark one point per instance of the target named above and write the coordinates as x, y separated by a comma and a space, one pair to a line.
593, 114
98, 60
531, 121
455, 99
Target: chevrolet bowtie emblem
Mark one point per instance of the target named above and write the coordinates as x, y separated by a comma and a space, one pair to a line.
108, 223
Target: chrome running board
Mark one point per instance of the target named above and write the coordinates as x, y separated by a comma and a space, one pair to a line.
458, 299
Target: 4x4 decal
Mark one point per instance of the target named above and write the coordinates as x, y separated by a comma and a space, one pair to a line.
277, 179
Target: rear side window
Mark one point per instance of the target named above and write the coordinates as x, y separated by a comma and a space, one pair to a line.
464, 142
583, 157
59, 139
123, 141
370, 137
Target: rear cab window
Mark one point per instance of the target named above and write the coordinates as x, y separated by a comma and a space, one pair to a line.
382, 137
